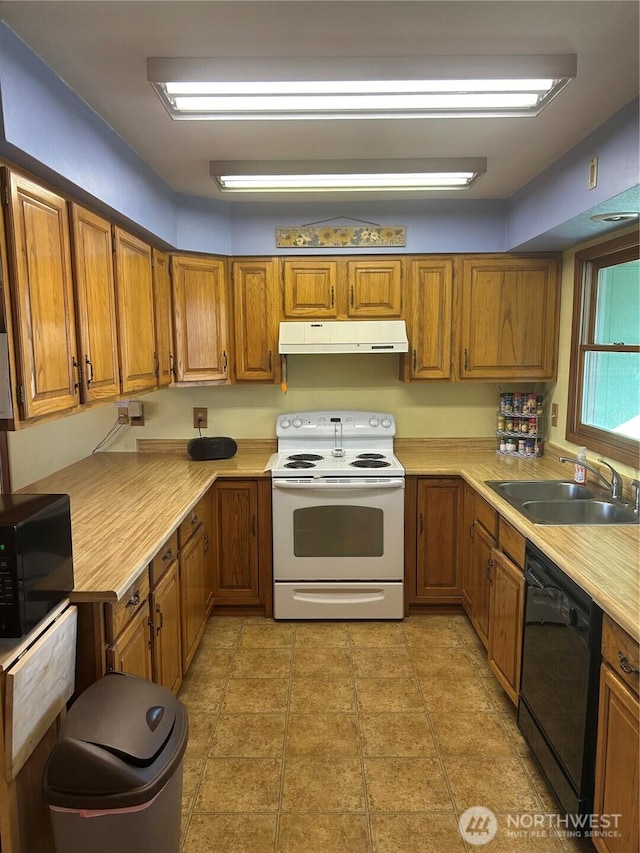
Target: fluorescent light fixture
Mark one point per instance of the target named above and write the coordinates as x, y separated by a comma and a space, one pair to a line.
360, 88
346, 175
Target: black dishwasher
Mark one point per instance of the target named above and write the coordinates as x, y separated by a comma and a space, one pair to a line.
558, 707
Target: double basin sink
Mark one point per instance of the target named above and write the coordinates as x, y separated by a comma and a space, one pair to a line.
562, 502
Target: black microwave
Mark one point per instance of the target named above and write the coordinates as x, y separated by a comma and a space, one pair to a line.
36, 562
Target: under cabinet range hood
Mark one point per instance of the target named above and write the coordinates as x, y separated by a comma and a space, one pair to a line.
342, 336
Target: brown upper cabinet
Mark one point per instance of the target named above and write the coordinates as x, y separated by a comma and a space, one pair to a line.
327, 288
41, 285
256, 316
508, 318
200, 305
134, 301
429, 301
163, 318
95, 305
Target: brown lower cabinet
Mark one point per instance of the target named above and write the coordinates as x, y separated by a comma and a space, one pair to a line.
431, 538
617, 786
167, 629
506, 607
484, 541
242, 533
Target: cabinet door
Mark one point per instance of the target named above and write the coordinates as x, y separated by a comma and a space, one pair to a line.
437, 573
509, 319
236, 542
134, 301
256, 314
200, 319
95, 305
167, 646
374, 288
40, 261
163, 319
617, 774
310, 288
466, 537
131, 650
193, 595
505, 622
483, 543
429, 319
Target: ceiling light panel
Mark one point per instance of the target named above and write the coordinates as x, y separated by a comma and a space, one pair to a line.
364, 88
347, 175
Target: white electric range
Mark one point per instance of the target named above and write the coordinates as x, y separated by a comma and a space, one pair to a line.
338, 517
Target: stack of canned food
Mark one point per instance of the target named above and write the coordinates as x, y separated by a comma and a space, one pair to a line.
519, 424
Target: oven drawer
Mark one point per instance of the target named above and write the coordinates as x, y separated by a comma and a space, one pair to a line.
338, 601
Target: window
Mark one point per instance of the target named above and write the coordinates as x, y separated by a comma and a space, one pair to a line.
604, 388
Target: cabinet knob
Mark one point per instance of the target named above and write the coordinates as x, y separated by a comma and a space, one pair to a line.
168, 555
195, 519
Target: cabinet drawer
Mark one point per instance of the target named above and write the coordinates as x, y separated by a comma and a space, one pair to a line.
486, 515
511, 542
191, 521
621, 652
119, 614
163, 559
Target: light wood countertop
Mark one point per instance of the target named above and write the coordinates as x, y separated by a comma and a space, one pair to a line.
125, 505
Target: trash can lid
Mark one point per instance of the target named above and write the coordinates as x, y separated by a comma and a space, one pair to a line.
126, 715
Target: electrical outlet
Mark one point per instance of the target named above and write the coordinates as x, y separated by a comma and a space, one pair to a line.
554, 414
199, 417
123, 416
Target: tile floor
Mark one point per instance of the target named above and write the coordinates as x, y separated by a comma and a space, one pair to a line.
361, 737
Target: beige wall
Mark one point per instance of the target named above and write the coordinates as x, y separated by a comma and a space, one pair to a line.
429, 409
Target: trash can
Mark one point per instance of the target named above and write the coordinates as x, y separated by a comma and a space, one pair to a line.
113, 781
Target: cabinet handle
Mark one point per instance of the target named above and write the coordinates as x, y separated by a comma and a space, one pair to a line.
270, 361
415, 361
156, 365
489, 567
466, 359
206, 542
134, 601
76, 385
89, 370
331, 301
224, 361
625, 666
159, 610
421, 526
472, 530
253, 525
168, 555
172, 367
351, 295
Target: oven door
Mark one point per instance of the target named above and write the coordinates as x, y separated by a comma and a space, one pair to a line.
338, 528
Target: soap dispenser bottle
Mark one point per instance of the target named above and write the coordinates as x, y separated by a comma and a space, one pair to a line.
579, 471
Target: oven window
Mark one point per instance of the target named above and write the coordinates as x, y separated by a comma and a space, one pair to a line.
338, 531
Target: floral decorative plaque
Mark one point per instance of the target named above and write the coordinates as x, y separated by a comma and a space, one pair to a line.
340, 237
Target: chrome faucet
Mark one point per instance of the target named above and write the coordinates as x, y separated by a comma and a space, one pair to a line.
615, 486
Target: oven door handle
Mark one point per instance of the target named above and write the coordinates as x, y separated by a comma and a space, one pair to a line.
327, 484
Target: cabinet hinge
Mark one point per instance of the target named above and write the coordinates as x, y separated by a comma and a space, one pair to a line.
5, 194
20, 391
114, 243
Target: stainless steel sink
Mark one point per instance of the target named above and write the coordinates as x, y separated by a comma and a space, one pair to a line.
562, 502
578, 512
542, 490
